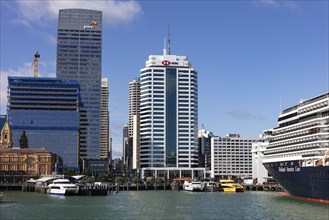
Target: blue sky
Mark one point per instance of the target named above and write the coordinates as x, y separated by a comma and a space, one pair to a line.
254, 58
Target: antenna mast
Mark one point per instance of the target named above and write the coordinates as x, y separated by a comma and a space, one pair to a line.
169, 40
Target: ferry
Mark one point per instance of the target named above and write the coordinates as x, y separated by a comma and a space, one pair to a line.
298, 152
230, 186
193, 186
62, 187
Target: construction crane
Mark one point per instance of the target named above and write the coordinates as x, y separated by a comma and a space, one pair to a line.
35, 63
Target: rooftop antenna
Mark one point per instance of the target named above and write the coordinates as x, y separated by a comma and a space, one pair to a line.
169, 40
164, 47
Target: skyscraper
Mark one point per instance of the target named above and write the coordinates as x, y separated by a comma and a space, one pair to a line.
79, 57
168, 112
204, 137
45, 112
134, 125
105, 133
125, 145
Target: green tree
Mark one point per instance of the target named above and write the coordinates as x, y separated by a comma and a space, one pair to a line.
91, 179
87, 172
69, 172
118, 180
136, 181
102, 177
157, 181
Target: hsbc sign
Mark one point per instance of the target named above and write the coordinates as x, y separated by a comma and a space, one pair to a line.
166, 63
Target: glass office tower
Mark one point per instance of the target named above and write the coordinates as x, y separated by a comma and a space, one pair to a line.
168, 112
79, 57
47, 111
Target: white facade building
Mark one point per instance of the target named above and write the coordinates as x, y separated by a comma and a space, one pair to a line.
168, 112
231, 156
105, 138
259, 173
133, 155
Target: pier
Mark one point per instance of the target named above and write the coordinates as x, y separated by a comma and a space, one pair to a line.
108, 188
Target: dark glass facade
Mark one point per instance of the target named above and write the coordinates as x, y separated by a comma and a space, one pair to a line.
171, 117
79, 57
2, 121
47, 110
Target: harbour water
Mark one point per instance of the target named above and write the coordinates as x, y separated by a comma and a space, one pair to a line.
161, 205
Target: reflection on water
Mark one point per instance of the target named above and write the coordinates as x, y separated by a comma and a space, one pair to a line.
161, 205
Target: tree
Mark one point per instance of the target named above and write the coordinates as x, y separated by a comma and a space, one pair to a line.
118, 180
135, 180
91, 179
87, 172
102, 177
69, 172
157, 181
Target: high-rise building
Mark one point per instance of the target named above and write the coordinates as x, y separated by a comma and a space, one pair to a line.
231, 156
105, 133
125, 148
168, 112
79, 57
204, 141
44, 113
134, 125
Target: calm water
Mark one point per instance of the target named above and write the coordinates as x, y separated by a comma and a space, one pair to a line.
161, 205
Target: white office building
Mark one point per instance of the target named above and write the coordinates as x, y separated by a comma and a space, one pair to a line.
105, 138
133, 125
231, 156
168, 113
259, 173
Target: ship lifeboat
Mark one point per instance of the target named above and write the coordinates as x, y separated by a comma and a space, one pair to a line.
326, 159
319, 163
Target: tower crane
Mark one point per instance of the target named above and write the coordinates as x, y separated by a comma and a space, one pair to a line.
35, 63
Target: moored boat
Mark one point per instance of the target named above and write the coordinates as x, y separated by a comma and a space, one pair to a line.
62, 187
230, 186
193, 186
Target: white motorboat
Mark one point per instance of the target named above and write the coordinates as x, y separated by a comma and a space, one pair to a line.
62, 187
193, 186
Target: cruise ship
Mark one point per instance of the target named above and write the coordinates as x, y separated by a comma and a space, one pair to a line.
298, 153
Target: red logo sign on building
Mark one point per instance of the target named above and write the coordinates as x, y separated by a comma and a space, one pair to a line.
166, 63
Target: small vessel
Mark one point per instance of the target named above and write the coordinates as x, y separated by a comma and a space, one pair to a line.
1, 197
230, 186
193, 186
62, 187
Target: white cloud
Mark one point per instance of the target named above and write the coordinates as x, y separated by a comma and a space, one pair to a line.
243, 115
291, 5
24, 70
41, 12
271, 3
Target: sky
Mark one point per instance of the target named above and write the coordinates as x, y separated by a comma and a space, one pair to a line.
254, 58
